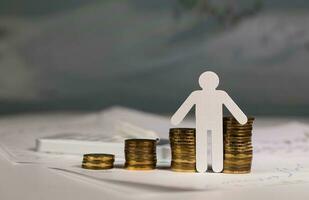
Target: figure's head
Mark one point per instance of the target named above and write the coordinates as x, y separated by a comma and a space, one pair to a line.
209, 80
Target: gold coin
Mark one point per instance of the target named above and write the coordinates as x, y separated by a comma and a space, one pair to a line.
226, 155
232, 118
238, 159
187, 139
139, 149
237, 167
237, 152
146, 156
137, 140
99, 162
237, 126
181, 135
230, 128
238, 146
236, 123
136, 154
137, 146
145, 162
98, 157
245, 128
183, 147
237, 131
181, 167
234, 165
234, 142
97, 166
184, 160
237, 162
237, 142
180, 150
237, 135
183, 155
192, 145
140, 143
191, 159
182, 140
226, 171
139, 167
182, 130
136, 151
238, 149
140, 154
238, 139
183, 170
140, 159
190, 164
249, 137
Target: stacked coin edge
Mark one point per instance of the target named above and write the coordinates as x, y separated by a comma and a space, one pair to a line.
140, 154
238, 149
182, 142
98, 161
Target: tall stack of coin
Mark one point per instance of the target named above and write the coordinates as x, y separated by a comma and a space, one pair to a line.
237, 146
140, 154
98, 161
182, 141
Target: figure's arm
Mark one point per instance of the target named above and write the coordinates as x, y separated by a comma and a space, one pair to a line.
183, 110
234, 109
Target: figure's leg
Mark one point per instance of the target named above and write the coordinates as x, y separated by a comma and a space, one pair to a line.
217, 149
201, 149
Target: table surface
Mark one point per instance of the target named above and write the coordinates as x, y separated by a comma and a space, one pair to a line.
26, 181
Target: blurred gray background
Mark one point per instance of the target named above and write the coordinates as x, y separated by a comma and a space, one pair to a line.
88, 55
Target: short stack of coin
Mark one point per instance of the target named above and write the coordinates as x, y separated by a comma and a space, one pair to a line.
182, 141
98, 161
140, 154
237, 146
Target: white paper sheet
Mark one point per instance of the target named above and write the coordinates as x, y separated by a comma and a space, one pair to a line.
281, 153
276, 162
18, 135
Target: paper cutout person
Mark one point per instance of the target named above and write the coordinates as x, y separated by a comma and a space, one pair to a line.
208, 115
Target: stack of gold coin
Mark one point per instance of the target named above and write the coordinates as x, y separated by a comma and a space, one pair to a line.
98, 161
182, 141
237, 146
140, 154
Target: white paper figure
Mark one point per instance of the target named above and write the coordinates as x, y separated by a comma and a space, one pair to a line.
208, 115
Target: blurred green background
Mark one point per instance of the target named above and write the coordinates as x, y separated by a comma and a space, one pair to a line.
88, 55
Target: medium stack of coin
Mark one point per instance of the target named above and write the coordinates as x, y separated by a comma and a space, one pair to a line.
98, 161
237, 146
182, 141
140, 154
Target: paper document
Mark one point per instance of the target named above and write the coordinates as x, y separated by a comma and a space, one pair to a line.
281, 152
